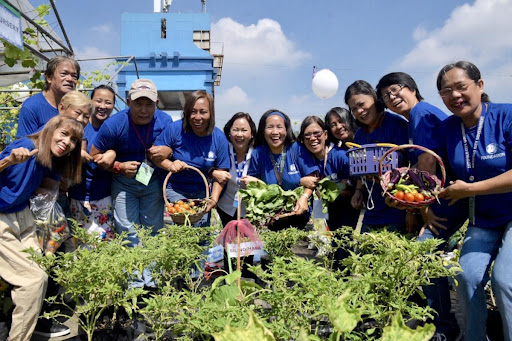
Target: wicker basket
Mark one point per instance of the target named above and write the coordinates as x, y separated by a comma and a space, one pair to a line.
181, 218
364, 159
386, 177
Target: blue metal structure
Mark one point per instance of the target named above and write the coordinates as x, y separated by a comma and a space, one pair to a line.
172, 49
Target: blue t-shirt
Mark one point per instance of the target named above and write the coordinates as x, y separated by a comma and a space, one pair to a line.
298, 163
392, 129
493, 157
18, 182
118, 133
34, 114
203, 152
423, 130
96, 181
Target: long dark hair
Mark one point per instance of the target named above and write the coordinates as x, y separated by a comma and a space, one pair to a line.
471, 71
260, 136
344, 116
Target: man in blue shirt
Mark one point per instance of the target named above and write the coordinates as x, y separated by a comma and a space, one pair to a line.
136, 185
61, 77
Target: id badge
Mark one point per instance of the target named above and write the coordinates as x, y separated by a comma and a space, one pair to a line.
472, 210
144, 173
235, 201
317, 210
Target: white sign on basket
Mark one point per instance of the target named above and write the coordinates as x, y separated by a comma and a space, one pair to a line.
246, 249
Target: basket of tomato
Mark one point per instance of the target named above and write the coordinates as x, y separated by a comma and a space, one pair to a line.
412, 187
186, 210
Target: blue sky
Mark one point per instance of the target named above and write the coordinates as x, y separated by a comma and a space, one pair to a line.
271, 46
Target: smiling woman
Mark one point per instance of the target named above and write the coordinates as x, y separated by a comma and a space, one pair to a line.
23, 166
196, 142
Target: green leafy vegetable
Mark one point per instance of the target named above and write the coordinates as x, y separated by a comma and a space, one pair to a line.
329, 191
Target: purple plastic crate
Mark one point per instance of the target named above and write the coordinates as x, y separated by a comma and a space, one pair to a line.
365, 160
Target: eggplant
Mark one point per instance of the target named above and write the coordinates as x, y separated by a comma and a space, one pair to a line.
395, 176
416, 179
428, 180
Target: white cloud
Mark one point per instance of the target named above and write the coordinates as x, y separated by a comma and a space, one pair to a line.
233, 97
263, 43
478, 32
102, 28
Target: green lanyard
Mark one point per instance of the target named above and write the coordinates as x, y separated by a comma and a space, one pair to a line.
278, 171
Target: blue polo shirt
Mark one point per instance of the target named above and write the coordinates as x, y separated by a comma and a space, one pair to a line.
298, 163
18, 182
119, 134
493, 157
424, 123
203, 152
96, 181
34, 114
392, 129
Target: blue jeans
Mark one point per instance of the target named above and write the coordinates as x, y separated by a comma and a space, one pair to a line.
174, 196
135, 203
482, 246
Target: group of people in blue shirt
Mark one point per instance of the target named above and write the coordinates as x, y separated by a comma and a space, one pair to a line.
126, 155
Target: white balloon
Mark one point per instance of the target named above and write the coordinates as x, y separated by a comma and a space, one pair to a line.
325, 84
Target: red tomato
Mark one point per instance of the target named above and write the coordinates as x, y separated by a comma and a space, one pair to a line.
409, 197
418, 197
400, 195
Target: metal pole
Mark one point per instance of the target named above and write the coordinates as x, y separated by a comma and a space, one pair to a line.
61, 26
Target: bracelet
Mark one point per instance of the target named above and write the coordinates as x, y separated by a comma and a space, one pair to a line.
215, 201
305, 195
117, 167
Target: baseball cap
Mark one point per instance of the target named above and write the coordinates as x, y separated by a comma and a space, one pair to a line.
143, 88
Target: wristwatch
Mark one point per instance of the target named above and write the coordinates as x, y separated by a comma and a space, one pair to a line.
117, 167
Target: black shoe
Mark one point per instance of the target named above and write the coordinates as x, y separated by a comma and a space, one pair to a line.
50, 328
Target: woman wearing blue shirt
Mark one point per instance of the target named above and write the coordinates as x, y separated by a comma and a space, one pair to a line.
399, 92
91, 202
377, 126
23, 166
196, 142
478, 144
278, 159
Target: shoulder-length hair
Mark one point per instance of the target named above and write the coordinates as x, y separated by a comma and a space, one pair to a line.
252, 125
260, 136
471, 71
70, 166
361, 87
345, 116
309, 120
189, 106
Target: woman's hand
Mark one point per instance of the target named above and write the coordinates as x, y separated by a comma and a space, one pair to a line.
357, 199
159, 153
302, 205
176, 166
457, 190
105, 160
85, 156
431, 221
309, 181
221, 176
211, 204
20, 155
247, 179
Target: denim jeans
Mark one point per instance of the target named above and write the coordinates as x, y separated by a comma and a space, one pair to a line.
173, 196
482, 246
135, 203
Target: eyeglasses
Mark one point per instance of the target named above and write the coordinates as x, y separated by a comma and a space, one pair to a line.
394, 90
315, 134
460, 88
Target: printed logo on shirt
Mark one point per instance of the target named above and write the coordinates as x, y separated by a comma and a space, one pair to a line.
211, 156
293, 169
491, 149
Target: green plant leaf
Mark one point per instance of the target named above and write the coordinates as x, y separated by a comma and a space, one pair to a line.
399, 331
255, 331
